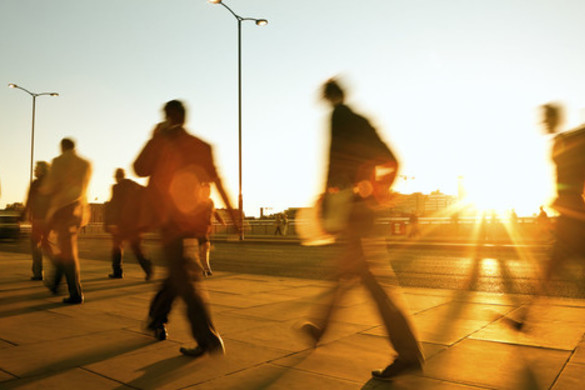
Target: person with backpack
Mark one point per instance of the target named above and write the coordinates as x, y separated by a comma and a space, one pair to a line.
121, 221
177, 163
361, 171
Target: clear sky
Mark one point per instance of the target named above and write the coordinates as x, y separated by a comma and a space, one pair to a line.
453, 85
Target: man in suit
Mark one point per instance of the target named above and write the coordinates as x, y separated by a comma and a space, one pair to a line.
356, 154
177, 163
122, 221
66, 184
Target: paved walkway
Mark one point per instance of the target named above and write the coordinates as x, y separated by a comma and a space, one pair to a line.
102, 345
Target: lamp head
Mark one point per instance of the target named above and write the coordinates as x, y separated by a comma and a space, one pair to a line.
261, 22
12, 85
54, 94
214, 1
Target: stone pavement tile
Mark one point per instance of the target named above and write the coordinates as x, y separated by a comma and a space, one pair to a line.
304, 291
351, 358
282, 311
467, 310
413, 382
286, 335
49, 356
126, 309
579, 354
233, 300
417, 303
4, 344
242, 286
497, 365
438, 332
4, 376
76, 378
546, 334
179, 328
548, 313
44, 326
163, 367
272, 377
572, 378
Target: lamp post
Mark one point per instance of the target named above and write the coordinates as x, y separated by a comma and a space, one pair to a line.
259, 22
32, 139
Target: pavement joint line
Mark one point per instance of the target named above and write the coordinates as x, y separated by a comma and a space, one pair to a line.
107, 377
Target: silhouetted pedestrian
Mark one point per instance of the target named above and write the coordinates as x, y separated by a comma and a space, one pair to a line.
66, 184
123, 222
177, 164
35, 211
209, 213
568, 155
356, 153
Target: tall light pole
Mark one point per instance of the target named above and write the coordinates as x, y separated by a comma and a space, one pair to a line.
32, 138
259, 22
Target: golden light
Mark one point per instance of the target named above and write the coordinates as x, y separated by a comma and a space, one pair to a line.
261, 22
214, 1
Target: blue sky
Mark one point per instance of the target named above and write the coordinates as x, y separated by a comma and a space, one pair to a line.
453, 85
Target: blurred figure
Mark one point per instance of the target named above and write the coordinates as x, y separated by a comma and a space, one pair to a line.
414, 230
122, 221
177, 164
284, 221
356, 153
568, 155
209, 212
35, 211
543, 223
66, 184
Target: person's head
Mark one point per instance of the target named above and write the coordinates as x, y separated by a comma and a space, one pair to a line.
332, 92
175, 112
41, 169
119, 175
67, 144
552, 117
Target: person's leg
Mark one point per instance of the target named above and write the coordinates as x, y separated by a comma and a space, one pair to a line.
67, 239
117, 254
181, 275
36, 237
204, 249
160, 307
136, 245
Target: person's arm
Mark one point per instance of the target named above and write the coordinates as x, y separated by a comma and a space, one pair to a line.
235, 216
147, 159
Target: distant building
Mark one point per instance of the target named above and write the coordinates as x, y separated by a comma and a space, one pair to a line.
421, 204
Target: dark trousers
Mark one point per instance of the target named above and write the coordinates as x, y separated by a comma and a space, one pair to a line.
118, 252
38, 240
64, 255
182, 281
356, 264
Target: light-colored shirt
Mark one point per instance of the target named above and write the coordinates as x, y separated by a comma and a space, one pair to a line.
67, 182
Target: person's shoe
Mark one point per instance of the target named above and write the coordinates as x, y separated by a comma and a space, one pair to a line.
517, 325
207, 273
36, 278
397, 368
313, 332
160, 332
199, 351
73, 300
116, 276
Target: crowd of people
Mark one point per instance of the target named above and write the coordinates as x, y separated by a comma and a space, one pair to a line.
181, 169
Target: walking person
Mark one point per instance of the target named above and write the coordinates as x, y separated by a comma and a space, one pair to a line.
568, 155
122, 221
35, 211
209, 213
177, 163
66, 184
355, 152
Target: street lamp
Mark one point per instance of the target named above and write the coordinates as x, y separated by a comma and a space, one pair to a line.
32, 139
259, 22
